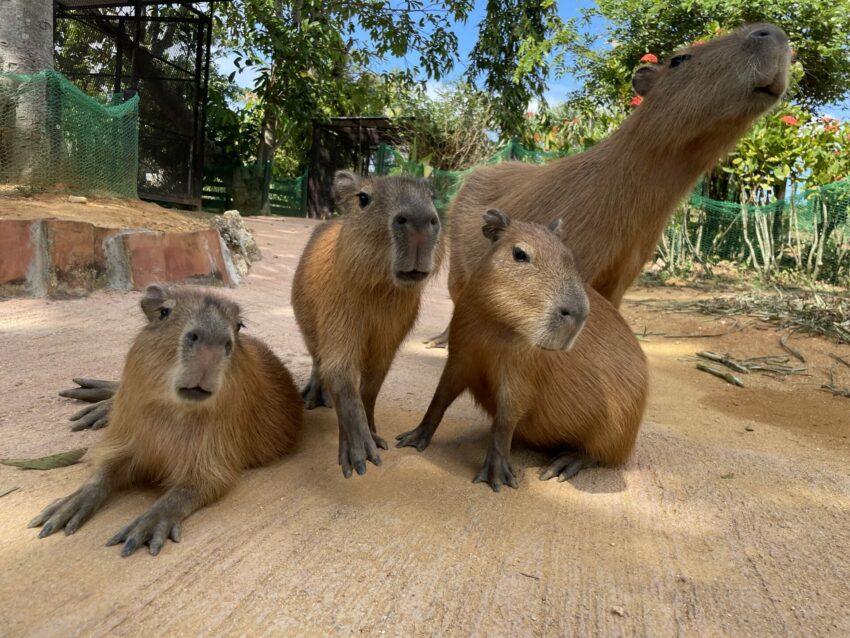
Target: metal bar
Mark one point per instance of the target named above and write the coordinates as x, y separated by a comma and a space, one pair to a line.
119, 58
71, 15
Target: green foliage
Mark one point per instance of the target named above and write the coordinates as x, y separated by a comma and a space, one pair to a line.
511, 55
448, 130
312, 57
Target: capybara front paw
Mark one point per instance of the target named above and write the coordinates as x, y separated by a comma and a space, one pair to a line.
67, 513
419, 438
152, 529
496, 471
91, 390
315, 395
566, 466
95, 416
355, 449
439, 341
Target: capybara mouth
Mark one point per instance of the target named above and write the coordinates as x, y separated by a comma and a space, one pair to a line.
411, 276
194, 394
775, 89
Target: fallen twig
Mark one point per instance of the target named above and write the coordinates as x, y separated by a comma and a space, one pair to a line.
724, 359
728, 377
790, 350
9, 491
840, 360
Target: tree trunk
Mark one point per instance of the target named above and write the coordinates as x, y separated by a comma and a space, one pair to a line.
26, 35
26, 46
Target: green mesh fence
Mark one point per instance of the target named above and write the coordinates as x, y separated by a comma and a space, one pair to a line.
55, 137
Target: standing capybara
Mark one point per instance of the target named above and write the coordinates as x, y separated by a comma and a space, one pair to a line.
511, 345
617, 196
198, 403
356, 295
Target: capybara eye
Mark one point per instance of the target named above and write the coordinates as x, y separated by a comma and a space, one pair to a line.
678, 59
239, 326
401, 220
164, 312
520, 254
364, 198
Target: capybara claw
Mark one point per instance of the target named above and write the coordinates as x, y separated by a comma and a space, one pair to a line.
565, 466
417, 438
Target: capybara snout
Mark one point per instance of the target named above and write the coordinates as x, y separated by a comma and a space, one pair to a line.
415, 233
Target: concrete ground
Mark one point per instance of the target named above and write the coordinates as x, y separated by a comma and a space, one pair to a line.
731, 519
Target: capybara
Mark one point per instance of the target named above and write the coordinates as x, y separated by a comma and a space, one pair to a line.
198, 403
617, 196
513, 345
356, 295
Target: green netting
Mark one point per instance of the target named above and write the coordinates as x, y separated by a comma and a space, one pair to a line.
55, 137
808, 233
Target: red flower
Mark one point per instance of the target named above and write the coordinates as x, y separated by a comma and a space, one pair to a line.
830, 128
649, 58
529, 114
698, 43
536, 137
637, 99
790, 120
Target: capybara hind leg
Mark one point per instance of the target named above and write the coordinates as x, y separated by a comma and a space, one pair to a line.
439, 341
314, 393
566, 466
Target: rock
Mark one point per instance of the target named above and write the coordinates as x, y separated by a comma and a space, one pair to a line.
239, 241
76, 199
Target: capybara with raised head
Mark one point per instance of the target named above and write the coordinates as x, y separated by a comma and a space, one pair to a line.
514, 343
198, 403
356, 295
617, 196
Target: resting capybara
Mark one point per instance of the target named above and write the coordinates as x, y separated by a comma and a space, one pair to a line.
356, 295
617, 196
511, 345
198, 403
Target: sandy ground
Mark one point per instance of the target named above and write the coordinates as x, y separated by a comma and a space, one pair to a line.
106, 212
709, 530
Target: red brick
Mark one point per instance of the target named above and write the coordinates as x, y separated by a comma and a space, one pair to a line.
16, 250
146, 257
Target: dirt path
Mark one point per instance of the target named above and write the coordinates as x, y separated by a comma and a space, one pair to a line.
709, 530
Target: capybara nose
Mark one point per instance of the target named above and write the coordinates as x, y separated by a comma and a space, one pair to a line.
764, 32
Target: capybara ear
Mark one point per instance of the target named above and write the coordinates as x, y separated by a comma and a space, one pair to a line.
555, 226
155, 295
345, 182
644, 78
495, 223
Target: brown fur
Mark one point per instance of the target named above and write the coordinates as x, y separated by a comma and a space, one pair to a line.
616, 197
352, 310
590, 399
195, 450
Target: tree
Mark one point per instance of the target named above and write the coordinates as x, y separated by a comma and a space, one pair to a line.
312, 59
511, 56
27, 33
